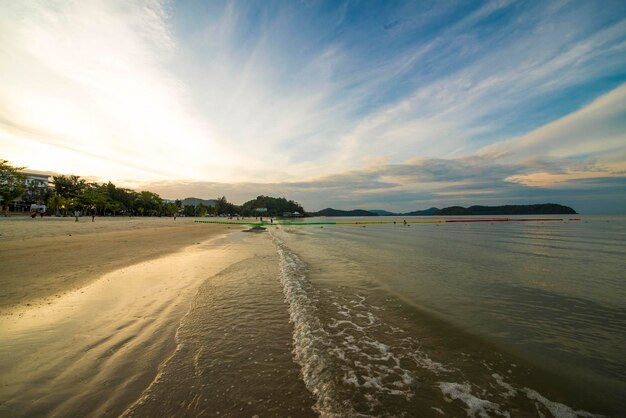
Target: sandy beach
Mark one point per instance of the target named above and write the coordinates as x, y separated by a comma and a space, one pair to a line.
43, 258
92, 313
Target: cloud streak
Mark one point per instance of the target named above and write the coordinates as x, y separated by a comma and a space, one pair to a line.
94, 86
392, 105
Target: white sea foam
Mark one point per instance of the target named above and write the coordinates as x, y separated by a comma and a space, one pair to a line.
345, 345
438, 410
310, 340
510, 390
558, 410
352, 360
475, 406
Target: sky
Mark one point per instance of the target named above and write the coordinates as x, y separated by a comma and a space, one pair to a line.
347, 104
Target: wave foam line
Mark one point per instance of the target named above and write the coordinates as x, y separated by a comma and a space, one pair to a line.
310, 340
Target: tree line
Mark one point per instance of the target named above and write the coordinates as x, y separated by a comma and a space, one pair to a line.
274, 206
71, 193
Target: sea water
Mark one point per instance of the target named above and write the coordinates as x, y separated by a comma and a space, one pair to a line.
446, 319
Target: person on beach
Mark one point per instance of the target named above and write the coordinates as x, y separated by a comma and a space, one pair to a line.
76, 213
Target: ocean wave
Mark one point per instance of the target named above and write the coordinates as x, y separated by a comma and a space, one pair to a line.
358, 364
341, 354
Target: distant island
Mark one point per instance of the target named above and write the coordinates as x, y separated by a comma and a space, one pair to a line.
537, 209
337, 212
540, 209
425, 212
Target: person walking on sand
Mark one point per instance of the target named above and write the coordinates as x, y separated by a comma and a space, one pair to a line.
76, 215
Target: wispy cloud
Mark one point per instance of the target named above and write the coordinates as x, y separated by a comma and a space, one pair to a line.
595, 130
540, 166
397, 104
88, 79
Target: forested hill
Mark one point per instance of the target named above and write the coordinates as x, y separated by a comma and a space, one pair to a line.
337, 212
425, 212
275, 206
540, 209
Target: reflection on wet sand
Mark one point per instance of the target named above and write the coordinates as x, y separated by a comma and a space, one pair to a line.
94, 350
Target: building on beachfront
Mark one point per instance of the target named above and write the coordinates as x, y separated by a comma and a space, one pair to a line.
36, 179
194, 201
37, 184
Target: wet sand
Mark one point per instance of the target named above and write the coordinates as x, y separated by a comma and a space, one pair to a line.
42, 259
234, 348
143, 317
89, 318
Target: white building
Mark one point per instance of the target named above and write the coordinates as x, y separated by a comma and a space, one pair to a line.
36, 180
40, 180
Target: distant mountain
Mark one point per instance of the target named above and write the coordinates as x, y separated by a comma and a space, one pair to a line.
337, 212
540, 209
382, 212
425, 212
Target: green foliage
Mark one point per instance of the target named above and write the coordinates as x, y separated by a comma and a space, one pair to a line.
69, 186
71, 192
202, 210
94, 198
148, 204
56, 204
11, 182
170, 209
275, 206
189, 210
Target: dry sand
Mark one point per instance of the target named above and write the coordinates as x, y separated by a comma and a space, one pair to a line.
42, 258
90, 310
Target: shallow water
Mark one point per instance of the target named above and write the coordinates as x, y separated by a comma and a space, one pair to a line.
233, 355
486, 319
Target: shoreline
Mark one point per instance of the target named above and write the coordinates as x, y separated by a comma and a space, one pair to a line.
43, 259
109, 336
